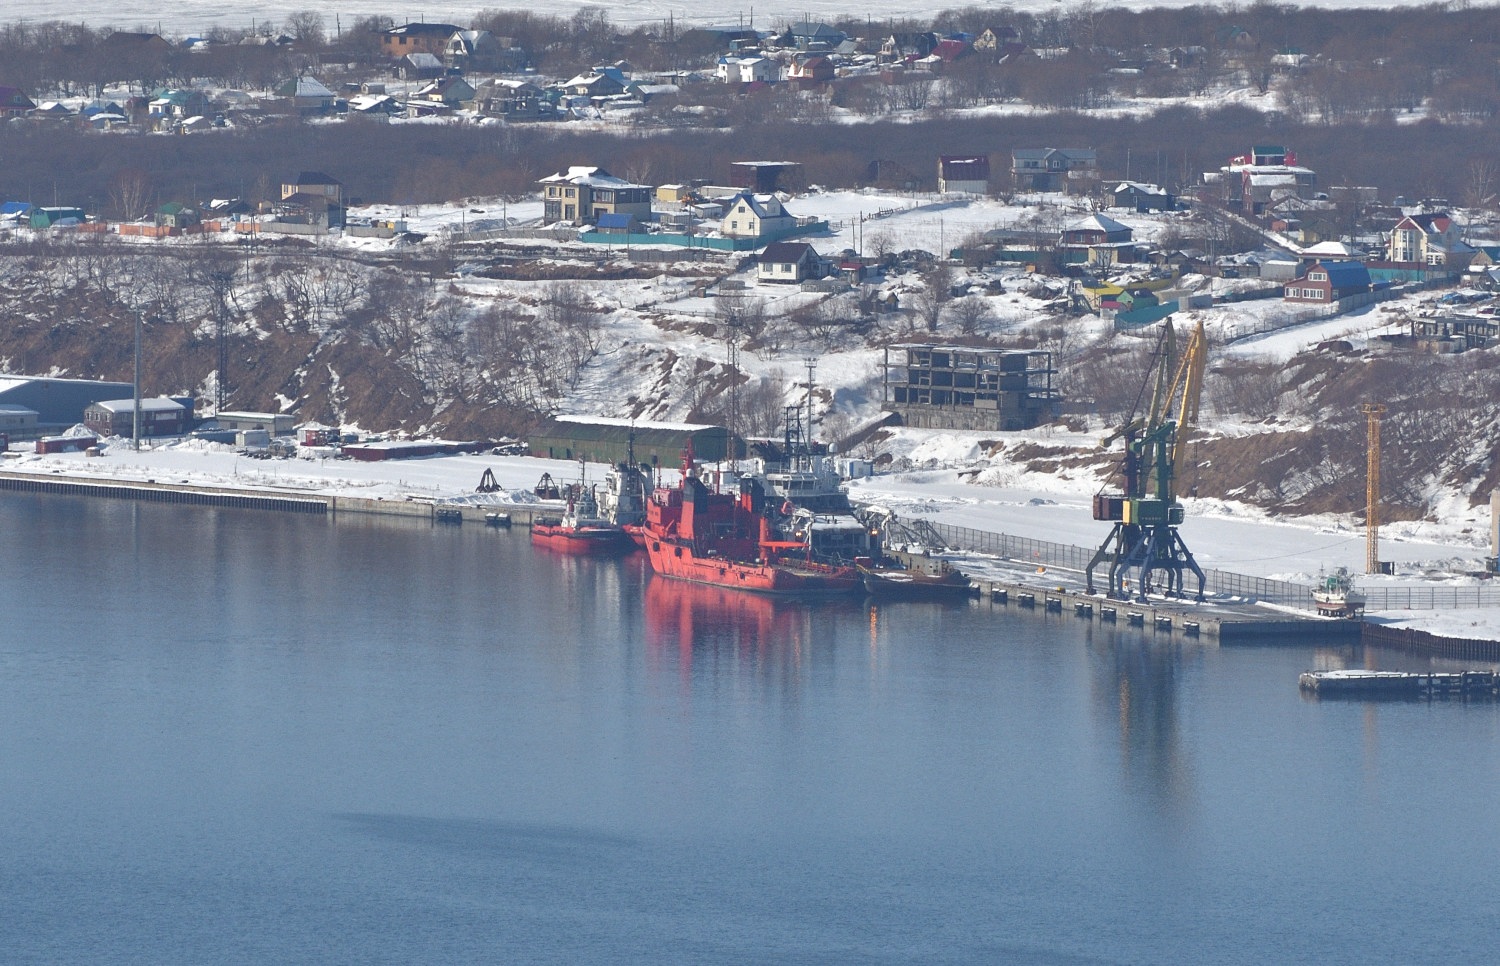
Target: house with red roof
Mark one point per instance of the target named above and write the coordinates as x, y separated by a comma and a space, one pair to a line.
1427, 238
15, 103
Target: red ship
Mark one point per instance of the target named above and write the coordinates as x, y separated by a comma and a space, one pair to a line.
727, 540
580, 530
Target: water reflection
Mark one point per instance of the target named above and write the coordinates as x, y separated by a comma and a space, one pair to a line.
1137, 682
690, 623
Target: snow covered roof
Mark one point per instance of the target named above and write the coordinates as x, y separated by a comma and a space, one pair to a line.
308, 87
159, 404
764, 206
1097, 222
632, 423
591, 176
1329, 249
1141, 186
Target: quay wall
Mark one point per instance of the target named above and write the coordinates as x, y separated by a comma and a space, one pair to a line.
1421, 642
153, 492
188, 494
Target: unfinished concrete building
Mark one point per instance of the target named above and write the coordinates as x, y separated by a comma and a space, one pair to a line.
961, 387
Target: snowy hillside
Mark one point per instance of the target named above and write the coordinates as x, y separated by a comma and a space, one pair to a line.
190, 16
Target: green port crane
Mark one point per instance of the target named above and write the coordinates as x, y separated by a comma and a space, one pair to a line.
1144, 549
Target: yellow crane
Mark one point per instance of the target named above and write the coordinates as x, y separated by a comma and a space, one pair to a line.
1144, 546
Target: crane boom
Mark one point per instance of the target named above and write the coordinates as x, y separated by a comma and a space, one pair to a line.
1146, 512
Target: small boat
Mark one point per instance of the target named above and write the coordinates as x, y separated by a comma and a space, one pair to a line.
1336, 596
498, 519
580, 529
891, 581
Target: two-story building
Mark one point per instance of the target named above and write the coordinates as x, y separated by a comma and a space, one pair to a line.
810, 70
907, 47
1262, 178
313, 199
582, 194
1074, 170
755, 216
417, 38
15, 103
1328, 282
513, 100
473, 50
160, 416
1428, 238
747, 69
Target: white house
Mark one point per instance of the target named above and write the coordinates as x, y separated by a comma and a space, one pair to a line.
755, 216
748, 70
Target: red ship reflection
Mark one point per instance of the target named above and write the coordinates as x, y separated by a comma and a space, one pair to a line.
688, 618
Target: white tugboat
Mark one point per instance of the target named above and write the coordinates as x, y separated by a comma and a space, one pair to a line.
1336, 596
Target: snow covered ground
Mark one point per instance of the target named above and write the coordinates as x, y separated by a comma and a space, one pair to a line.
196, 16
1222, 536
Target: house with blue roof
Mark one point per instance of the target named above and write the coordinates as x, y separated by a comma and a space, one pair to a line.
16, 212
1327, 282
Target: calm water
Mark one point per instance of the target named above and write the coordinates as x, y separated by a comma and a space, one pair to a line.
239, 737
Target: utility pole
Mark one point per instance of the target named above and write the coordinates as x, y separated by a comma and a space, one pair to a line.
812, 367
1373, 412
135, 435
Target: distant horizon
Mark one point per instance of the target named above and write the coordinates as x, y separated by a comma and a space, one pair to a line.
189, 17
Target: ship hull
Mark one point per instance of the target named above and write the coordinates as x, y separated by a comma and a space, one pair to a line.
913, 585
584, 540
678, 561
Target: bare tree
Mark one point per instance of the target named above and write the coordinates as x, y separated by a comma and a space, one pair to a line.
972, 313
935, 295
306, 28
576, 323
129, 192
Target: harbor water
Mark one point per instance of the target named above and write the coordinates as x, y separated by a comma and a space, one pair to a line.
237, 736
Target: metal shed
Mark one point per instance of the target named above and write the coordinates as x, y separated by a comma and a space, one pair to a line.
603, 439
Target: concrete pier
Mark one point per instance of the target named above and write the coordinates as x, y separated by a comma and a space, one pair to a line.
1227, 622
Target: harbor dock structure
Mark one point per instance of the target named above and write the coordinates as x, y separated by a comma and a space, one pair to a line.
158, 491
1225, 621
1355, 683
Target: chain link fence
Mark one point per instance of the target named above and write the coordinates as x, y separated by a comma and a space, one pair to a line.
1033, 551
1431, 598
1282, 592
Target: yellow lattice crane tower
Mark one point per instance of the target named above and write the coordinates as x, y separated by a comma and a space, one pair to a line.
1373, 412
